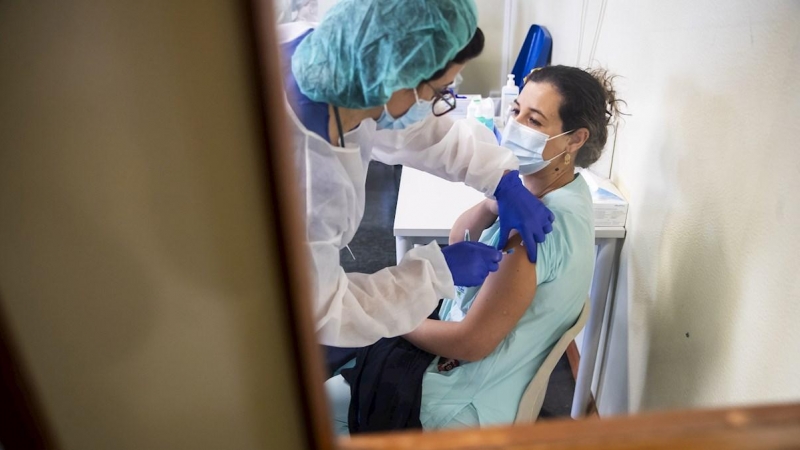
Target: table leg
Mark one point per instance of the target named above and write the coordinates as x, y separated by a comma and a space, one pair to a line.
601, 281
401, 245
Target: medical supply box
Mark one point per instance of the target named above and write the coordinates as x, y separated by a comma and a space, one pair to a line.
610, 207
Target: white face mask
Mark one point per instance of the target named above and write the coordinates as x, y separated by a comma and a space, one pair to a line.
527, 145
419, 111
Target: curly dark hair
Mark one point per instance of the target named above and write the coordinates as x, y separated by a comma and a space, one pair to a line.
588, 100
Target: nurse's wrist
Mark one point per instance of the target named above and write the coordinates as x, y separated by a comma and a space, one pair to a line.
508, 182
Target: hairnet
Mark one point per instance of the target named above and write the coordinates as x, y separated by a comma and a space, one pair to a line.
365, 50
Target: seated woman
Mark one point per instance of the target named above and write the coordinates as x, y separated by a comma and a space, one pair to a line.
491, 340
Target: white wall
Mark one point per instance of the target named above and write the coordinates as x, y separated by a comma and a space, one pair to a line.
709, 161
135, 260
482, 74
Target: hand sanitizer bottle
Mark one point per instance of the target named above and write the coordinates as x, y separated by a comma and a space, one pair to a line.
486, 115
474, 108
507, 95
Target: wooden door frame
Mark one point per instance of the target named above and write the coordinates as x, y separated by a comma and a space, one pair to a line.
280, 177
22, 423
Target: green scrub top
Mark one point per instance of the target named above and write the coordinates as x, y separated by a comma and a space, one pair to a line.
487, 392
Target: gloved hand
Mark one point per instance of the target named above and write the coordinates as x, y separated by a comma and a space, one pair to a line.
522, 211
470, 262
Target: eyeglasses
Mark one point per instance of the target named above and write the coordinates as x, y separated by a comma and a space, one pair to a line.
444, 101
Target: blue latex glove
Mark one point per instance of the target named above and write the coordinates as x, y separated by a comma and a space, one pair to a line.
471, 262
522, 211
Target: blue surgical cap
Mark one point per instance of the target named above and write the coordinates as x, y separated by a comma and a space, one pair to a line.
365, 50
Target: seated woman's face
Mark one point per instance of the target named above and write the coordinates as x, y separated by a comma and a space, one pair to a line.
537, 107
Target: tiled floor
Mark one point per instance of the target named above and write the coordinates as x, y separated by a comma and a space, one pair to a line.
373, 248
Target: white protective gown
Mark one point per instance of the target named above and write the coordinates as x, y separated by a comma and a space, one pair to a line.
354, 309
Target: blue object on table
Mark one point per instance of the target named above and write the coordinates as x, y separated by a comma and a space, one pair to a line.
535, 52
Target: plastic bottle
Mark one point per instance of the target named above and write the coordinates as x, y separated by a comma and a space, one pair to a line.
486, 114
507, 96
474, 108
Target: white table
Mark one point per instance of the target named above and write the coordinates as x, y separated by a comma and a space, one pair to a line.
428, 206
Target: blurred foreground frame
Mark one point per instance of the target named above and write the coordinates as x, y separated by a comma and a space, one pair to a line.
766, 427
25, 424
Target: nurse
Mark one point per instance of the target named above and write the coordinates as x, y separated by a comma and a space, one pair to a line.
369, 82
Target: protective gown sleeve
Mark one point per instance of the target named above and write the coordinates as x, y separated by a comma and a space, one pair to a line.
358, 309
463, 150
354, 310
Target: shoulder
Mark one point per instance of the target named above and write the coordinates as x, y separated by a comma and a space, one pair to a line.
574, 198
572, 206
573, 226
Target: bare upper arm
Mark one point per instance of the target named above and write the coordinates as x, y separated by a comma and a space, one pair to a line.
502, 300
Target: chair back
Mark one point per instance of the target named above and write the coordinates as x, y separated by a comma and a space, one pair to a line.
531, 402
535, 52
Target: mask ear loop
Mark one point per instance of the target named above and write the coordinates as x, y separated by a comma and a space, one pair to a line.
559, 135
567, 155
416, 96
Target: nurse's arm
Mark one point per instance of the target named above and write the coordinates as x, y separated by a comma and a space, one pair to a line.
500, 304
475, 219
467, 152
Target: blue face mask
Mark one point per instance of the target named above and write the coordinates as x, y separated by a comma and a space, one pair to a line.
527, 145
418, 112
